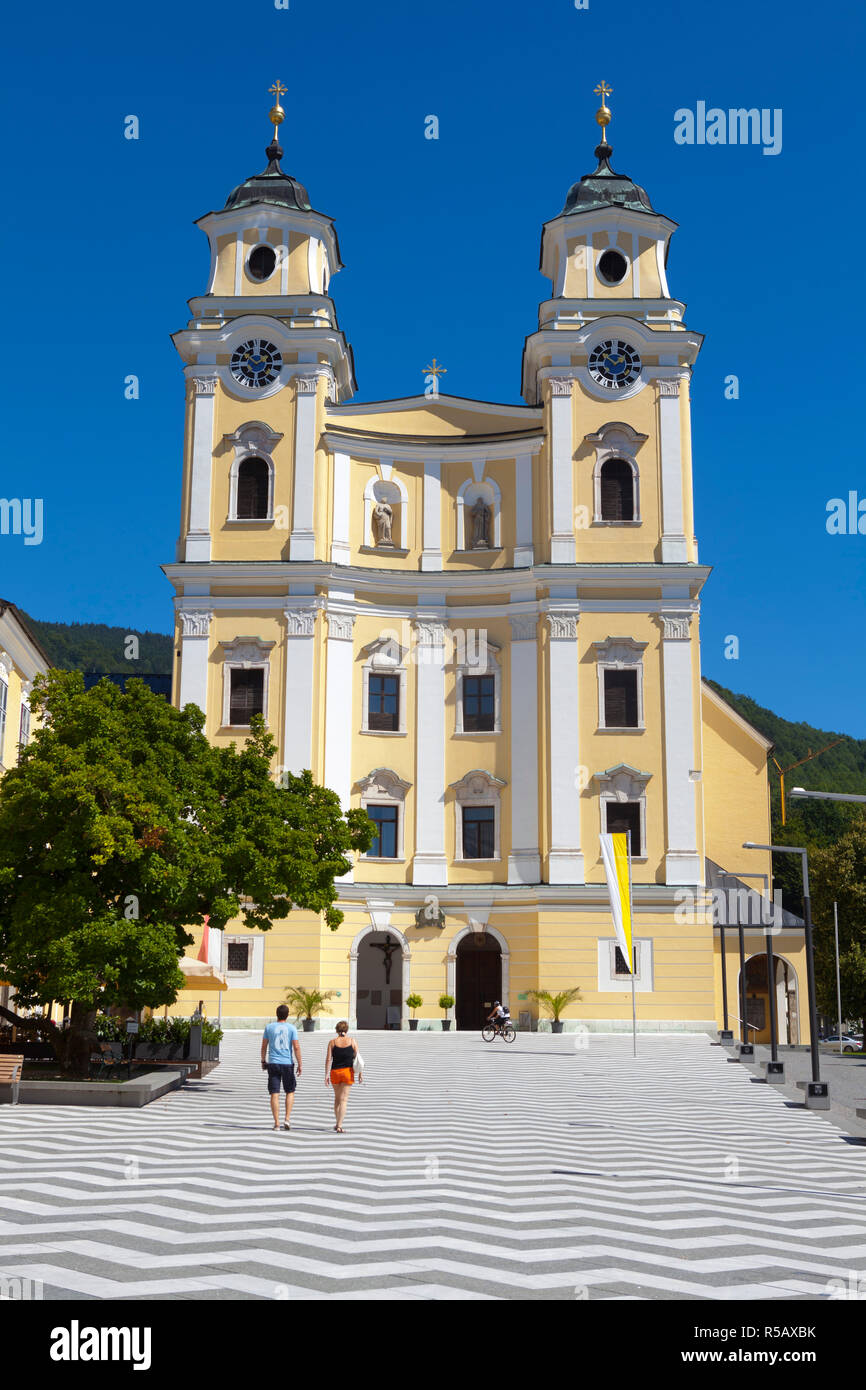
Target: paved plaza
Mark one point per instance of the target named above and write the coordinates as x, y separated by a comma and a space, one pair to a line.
467, 1171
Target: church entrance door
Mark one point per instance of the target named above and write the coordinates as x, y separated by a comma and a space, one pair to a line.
380, 981
479, 978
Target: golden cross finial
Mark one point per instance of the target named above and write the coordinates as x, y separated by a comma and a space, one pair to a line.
602, 115
277, 115
434, 369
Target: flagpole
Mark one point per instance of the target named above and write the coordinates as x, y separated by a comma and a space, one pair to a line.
631, 962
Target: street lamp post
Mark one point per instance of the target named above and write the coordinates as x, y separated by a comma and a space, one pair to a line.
817, 1091
774, 1068
745, 1051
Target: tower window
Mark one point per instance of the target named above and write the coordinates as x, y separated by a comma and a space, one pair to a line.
253, 488
623, 817
383, 703
612, 267
617, 491
262, 263
478, 703
385, 820
478, 832
247, 695
620, 700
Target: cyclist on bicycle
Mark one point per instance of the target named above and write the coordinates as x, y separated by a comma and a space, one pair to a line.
499, 1015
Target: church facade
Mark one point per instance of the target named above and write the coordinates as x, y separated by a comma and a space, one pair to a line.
478, 621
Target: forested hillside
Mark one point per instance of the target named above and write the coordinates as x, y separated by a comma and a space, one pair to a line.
98, 647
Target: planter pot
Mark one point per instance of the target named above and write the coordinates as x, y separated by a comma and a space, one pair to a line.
413, 1025
556, 1025
309, 1025
446, 1025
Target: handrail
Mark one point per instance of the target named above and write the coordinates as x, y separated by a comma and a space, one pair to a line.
753, 1026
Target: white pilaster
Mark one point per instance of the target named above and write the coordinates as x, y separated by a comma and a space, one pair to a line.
198, 538
300, 670
682, 862
340, 553
524, 861
430, 863
562, 470
431, 554
565, 861
194, 656
670, 446
302, 543
523, 551
338, 705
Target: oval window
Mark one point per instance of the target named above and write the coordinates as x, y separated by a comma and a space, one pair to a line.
262, 262
612, 267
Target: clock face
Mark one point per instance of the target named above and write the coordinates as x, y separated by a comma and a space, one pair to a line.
614, 364
256, 364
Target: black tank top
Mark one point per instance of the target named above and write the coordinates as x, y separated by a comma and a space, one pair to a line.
342, 1056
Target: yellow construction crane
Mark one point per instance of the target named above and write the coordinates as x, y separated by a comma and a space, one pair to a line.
808, 758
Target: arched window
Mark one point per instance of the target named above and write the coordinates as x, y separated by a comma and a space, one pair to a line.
617, 491
253, 480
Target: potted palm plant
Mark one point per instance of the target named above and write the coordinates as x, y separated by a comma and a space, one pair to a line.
555, 1004
414, 1001
306, 1003
446, 1002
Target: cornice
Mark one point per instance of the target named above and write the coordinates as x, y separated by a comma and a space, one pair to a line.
409, 448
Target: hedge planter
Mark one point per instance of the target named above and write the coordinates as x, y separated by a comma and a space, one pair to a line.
446, 1025
556, 1025
309, 1025
413, 1025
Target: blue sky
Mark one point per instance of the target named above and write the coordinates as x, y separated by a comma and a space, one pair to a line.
440, 239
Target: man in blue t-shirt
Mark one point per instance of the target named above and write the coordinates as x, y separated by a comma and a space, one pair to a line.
280, 1052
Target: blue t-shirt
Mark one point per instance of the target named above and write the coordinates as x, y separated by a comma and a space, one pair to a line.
280, 1037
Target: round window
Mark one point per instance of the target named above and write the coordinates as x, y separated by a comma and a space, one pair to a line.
262, 262
612, 267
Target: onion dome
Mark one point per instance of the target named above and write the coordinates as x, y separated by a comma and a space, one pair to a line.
271, 186
603, 187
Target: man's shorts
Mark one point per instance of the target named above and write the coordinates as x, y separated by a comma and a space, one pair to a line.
280, 1072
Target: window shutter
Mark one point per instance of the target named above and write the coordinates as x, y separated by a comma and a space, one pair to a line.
620, 699
617, 491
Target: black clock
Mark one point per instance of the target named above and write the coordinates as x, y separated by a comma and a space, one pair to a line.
256, 364
614, 364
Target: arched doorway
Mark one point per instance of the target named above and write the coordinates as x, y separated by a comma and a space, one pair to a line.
758, 1004
379, 981
478, 978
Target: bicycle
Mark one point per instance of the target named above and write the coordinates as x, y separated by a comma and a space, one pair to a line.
505, 1030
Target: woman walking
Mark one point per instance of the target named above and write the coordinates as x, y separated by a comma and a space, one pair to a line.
339, 1070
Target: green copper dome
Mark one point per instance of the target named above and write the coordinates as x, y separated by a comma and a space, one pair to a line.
603, 188
271, 186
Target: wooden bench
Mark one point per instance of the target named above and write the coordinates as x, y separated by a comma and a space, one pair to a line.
10, 1073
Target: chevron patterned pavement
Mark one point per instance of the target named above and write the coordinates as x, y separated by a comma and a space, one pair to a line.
467, 1171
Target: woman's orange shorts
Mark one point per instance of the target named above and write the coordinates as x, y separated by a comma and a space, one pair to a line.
342, 1076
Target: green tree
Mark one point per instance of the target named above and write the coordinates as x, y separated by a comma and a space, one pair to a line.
838, 874
122, 826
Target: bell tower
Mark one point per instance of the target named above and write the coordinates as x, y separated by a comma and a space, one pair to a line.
263, 354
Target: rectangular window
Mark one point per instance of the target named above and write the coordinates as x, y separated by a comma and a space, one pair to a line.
238, 956
620, 967
247, 695
620, 700
624, 816
383, 702
385, 820
478, 828
24, 725
479, 705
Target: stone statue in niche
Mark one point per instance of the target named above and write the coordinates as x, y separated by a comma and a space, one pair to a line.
480, 515
383, 518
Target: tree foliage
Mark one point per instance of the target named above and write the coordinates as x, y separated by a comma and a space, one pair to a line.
122, 827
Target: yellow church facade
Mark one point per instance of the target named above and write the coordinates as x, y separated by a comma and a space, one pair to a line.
478, 621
